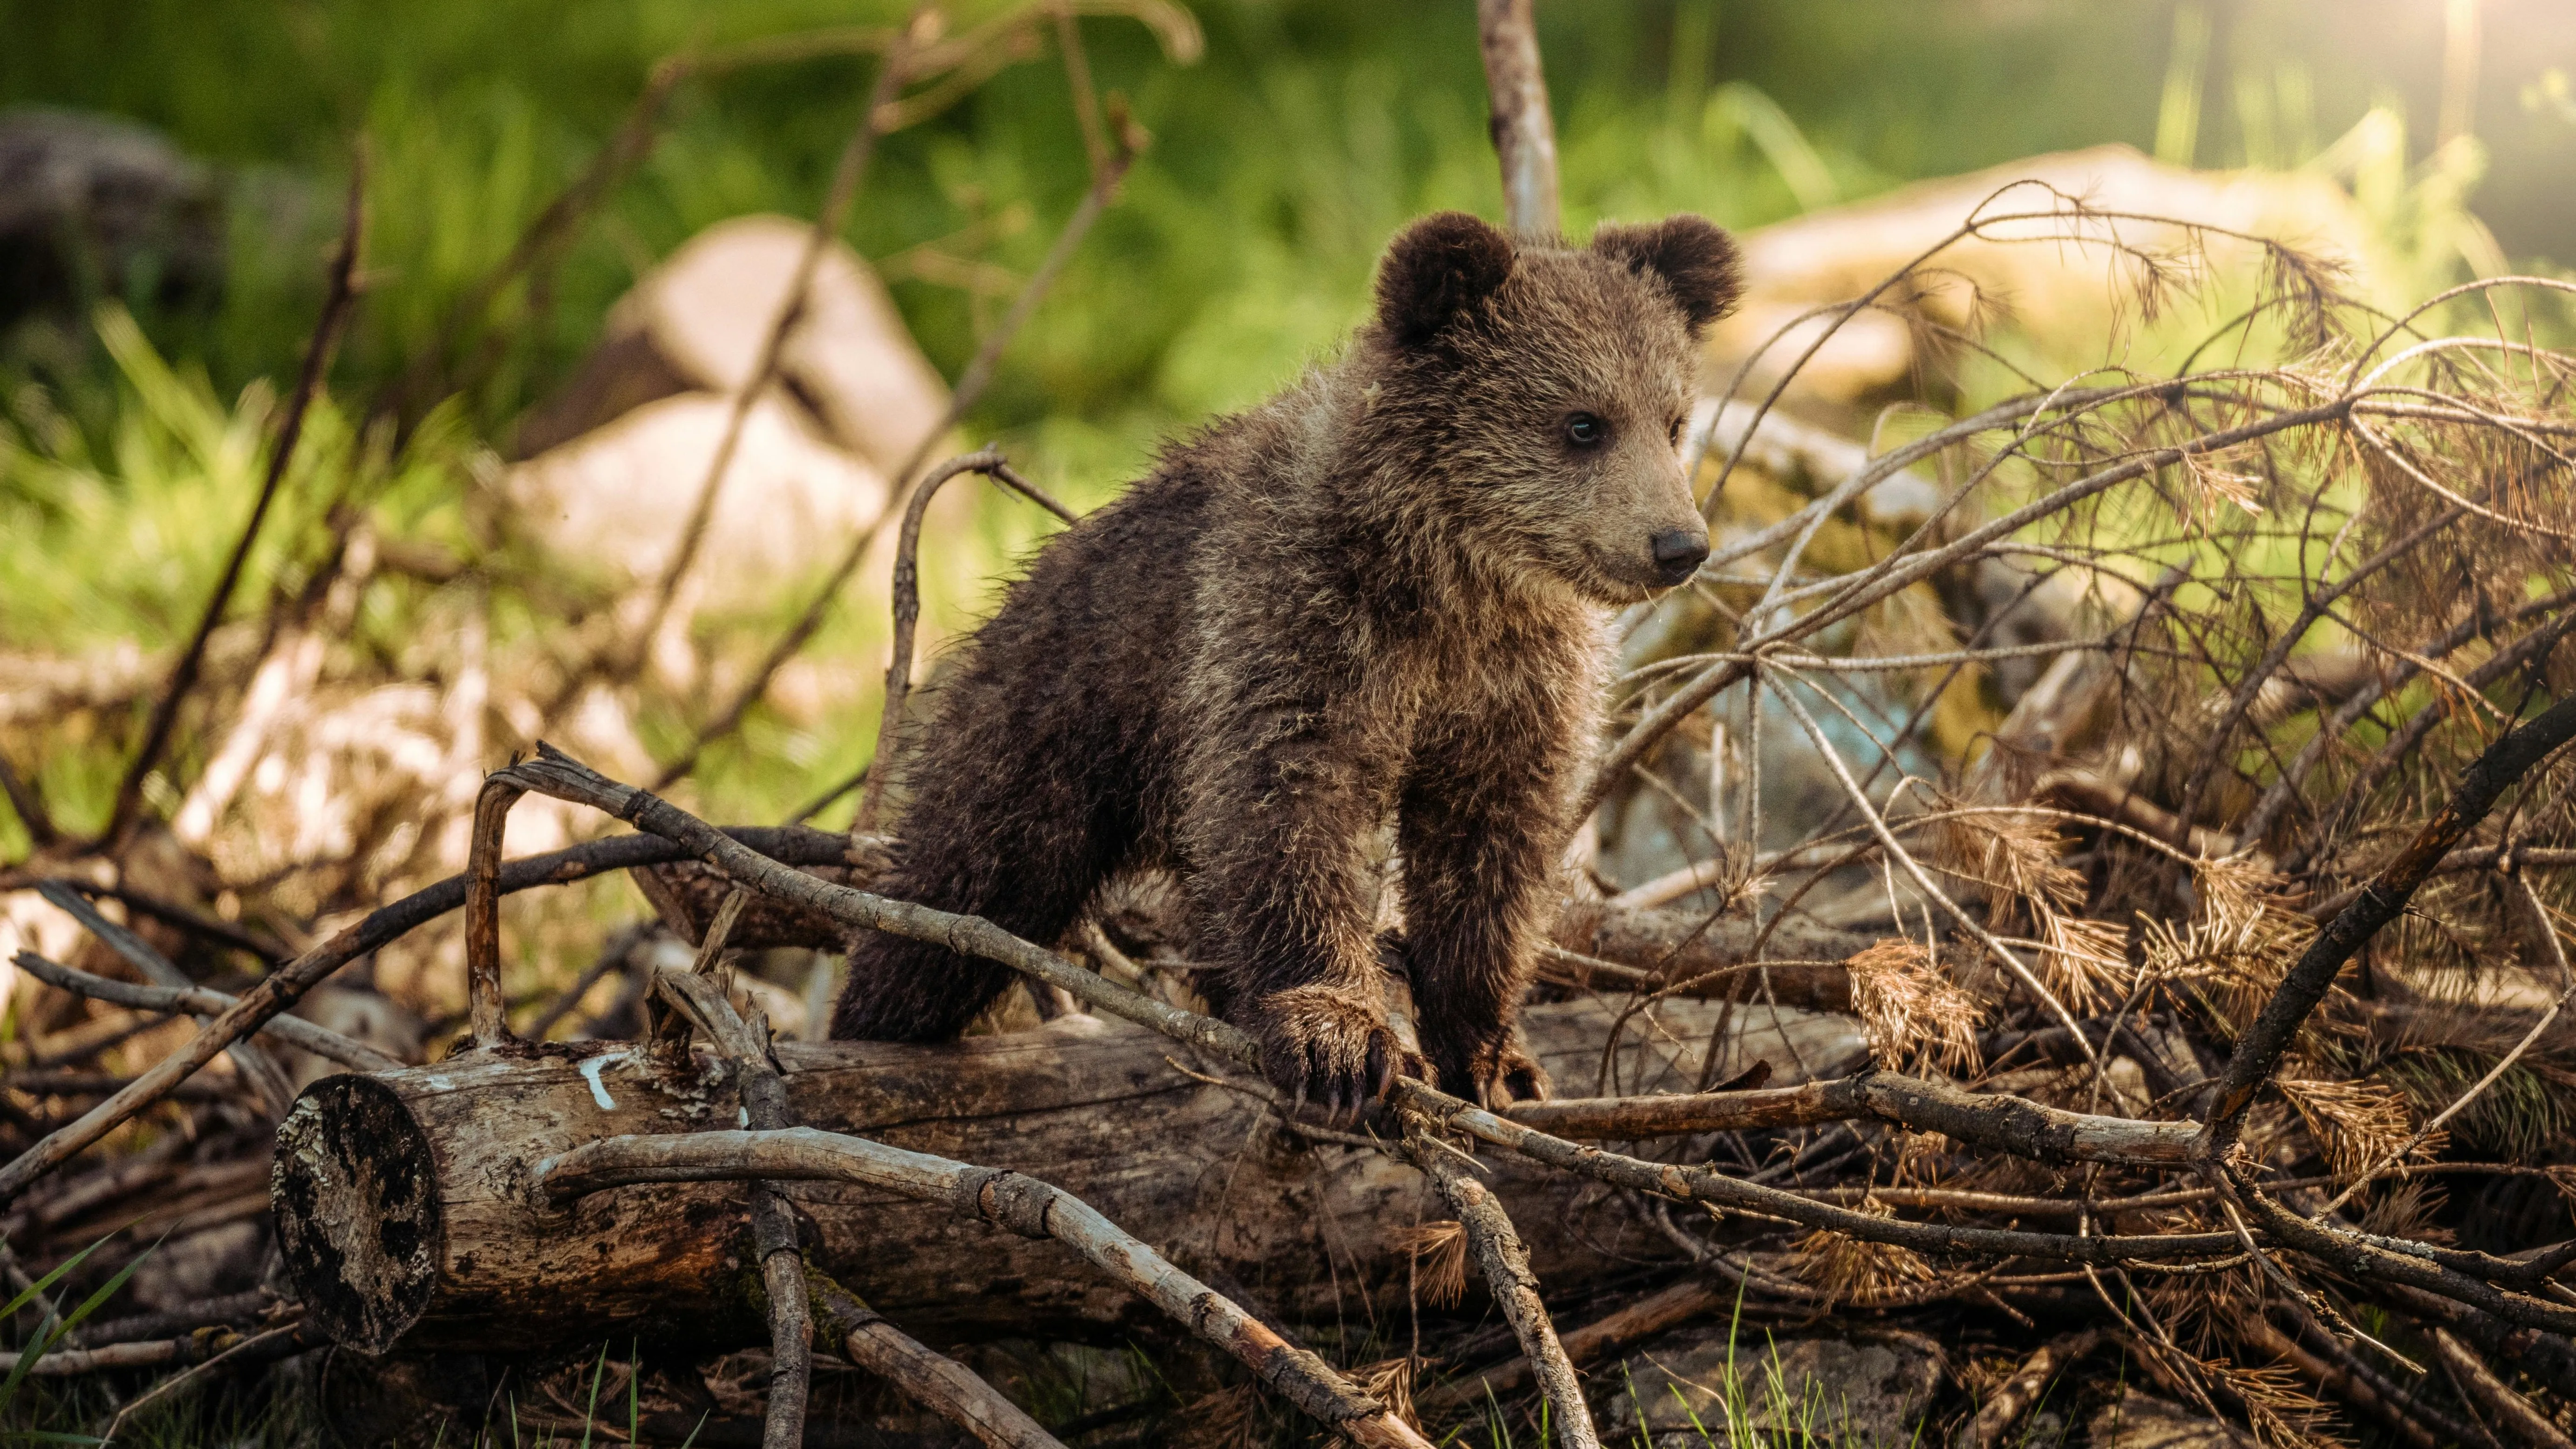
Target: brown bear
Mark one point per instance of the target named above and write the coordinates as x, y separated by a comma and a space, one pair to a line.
1383, 593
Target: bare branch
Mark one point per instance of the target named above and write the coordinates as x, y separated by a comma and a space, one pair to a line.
1006, 1200
2014, 1398
745, 1047
933, 1380
294, 1031
907, 603
257, 1067
290, 430
275, 1343
2479, 1384
284, 986
2259, 1051
1925, 1104
1498, 1252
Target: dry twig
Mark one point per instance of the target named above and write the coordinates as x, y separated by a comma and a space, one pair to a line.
1005, 1199
342, 293
1497, 1249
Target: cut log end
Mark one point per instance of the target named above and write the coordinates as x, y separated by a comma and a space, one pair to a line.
358, 1211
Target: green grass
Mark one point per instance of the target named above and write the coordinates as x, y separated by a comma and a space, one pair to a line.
1281, 162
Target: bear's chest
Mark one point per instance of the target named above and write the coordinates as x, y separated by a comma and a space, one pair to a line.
1528, 681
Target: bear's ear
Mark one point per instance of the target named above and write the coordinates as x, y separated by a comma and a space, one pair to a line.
1439, 268
1693, 256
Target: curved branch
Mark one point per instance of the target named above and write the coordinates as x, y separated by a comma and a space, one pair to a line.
294, 1031
1002, 1198
907, 603
281, 988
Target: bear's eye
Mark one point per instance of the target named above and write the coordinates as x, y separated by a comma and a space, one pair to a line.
1584, 430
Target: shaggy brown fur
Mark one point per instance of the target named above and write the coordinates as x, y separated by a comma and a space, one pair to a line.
1382, 593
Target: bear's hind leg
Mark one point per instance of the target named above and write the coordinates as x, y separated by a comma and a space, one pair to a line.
986, 850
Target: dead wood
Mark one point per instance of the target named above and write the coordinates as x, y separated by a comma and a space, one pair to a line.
1003, 1199
1496, 1246
340, 294
1926, 1104
423, 1160
265, 1347
2521, 1422
279, 990
2004, 1122
145, 903
2013, 1398
932, 1380
1689, 1299
230, 1310
253, 1061
2368, 1394
1524, 134
2259, 1051
745, 1049
907, 596
191, 1350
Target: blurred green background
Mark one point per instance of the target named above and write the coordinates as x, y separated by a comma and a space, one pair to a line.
1310, 130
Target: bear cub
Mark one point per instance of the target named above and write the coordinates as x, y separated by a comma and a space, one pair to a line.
1381, 595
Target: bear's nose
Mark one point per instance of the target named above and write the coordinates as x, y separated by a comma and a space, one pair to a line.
1678, 554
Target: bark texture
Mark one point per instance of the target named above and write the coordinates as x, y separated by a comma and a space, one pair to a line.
406, 1212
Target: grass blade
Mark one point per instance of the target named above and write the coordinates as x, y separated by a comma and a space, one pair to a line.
590, 1415
48, 1281
27, 1358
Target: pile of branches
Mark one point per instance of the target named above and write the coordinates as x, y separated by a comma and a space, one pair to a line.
2205, 993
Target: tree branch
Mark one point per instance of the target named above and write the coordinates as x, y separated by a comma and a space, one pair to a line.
745, 1045
933, 1380
2259, 1051
192, 658
294, 1031
1498, 1252
1002, 1198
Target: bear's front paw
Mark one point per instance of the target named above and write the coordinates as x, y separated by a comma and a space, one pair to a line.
1329, 1047
1491, 1071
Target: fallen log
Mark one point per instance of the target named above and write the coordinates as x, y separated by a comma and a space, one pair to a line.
406, 1211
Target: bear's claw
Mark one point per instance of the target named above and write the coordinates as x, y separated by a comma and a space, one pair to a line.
1319, 1046
1492, 1073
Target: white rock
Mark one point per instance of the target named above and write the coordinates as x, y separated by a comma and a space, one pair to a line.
621, 495
698, 322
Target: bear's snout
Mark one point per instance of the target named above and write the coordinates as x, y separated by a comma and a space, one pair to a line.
1678, 553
